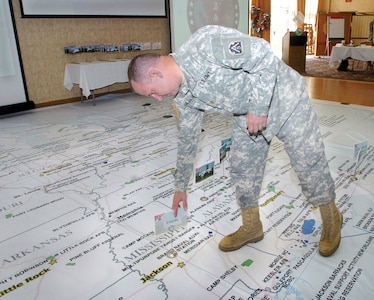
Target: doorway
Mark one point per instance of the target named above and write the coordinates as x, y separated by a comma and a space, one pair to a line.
282, 20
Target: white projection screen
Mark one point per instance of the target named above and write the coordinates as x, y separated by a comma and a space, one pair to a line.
186, 16
13, 90
93, 8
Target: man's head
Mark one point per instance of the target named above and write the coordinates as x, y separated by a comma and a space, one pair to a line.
154, 75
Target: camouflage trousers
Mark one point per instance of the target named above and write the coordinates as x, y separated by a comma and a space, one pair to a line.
303, 143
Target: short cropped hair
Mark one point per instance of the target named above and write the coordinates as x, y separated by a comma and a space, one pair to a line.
139, 66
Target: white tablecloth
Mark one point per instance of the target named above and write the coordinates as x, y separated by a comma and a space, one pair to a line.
342, 52
96, 74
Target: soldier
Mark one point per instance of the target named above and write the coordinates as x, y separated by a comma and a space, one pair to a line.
221, 69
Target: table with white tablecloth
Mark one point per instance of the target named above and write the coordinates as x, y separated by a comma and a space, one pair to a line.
339, 53
96, 74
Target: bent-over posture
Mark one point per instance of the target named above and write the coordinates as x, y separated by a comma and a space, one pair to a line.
221, 69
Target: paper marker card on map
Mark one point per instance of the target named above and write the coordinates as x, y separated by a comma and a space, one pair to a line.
166, 221
360, 148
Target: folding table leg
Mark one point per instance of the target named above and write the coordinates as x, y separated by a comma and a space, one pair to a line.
93, 98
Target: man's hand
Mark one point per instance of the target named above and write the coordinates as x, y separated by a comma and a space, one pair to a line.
255, 124
179, 197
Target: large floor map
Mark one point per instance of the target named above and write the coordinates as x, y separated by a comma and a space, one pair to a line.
81, 186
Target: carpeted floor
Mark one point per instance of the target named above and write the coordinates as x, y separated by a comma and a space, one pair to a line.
319, 67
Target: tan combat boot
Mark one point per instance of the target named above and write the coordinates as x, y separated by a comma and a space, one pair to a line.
332, 221
250, 232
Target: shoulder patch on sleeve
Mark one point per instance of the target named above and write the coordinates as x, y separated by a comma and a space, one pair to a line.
231, 47
235, 48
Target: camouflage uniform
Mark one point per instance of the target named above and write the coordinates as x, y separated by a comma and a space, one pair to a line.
231, 72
